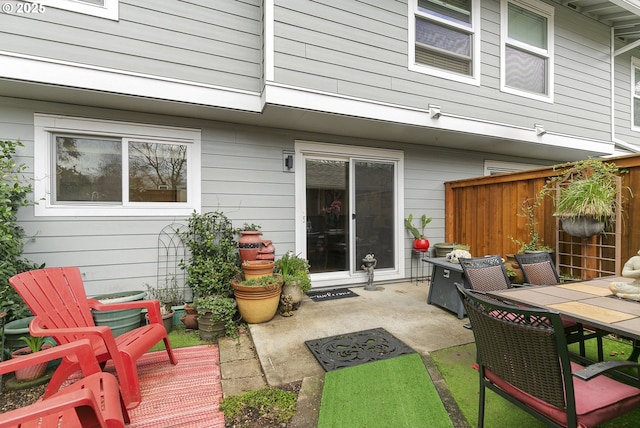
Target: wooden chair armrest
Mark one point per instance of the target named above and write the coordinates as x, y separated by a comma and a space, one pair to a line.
597, 369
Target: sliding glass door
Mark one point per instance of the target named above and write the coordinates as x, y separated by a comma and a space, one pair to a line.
349, 207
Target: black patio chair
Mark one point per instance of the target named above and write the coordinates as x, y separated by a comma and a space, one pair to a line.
538, 269
485, 273
522, 356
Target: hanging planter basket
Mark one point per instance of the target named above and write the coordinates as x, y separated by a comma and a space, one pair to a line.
582, 227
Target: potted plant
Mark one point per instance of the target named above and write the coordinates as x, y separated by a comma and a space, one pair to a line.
587, 196
295, 274
34, 344
253, 269
420, 241
249, 243
258, 298
215, 316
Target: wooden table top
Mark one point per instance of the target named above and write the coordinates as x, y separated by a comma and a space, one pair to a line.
589, 302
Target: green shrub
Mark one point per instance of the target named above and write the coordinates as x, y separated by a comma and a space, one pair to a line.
13, 195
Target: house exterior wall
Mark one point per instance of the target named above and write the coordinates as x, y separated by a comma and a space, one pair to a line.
198, 56
213, 43
242, 176
359, 49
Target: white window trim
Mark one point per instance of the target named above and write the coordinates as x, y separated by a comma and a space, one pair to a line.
108, 11
635, 64
46, 125
474, 79
541, 9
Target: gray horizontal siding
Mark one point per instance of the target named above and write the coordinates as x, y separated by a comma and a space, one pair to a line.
217, 43
360, 50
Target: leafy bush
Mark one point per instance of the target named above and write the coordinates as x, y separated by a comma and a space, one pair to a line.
213, 260
13, 195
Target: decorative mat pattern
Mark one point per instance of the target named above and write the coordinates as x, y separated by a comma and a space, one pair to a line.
351, 349
185, 395
338, 293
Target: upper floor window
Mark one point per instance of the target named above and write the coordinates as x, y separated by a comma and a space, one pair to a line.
445, 37
101, 8
635, 92
527, 48
92, 167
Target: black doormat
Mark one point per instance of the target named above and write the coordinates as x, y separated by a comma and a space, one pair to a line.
323, 295
351, 349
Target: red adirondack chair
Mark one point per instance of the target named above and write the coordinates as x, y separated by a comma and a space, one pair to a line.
57, 298
92, 401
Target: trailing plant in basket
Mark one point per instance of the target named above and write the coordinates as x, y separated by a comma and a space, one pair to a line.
586, 189
213, 260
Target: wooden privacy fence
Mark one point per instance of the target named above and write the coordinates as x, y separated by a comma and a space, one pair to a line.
485, 212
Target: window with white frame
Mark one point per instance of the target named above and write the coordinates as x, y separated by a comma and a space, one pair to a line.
445, 38
527, 48
635, 92
100, 8
97, 167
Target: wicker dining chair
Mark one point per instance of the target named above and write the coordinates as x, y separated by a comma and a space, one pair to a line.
485, 273
523, 357
538, 269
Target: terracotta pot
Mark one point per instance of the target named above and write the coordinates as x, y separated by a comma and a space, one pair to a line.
421, 244
254, 269
31, 372
190, 320
249, 244
256, 304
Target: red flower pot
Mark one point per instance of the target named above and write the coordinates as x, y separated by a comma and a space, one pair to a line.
421, 244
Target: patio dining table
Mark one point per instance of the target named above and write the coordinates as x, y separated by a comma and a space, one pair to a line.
588, 302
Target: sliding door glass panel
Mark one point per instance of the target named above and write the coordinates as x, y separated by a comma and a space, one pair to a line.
374, 208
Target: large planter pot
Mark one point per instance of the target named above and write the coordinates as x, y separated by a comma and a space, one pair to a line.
293, 289
32, 372
209, 329
14, 330
421, 244
120, 321
254, 269
582, 227
178, 311
443, 248
257, 304
249, 244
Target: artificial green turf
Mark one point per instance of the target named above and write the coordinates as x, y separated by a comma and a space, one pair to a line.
397, 392
462, 380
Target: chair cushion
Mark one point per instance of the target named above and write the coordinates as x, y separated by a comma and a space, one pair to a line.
540, 273
597, 400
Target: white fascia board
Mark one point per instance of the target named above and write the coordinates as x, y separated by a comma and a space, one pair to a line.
349, 106
76, 75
